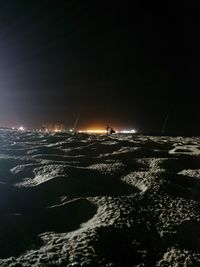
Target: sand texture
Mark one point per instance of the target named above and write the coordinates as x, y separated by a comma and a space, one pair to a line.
97, 200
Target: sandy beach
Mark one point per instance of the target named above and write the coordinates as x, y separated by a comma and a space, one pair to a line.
98, 200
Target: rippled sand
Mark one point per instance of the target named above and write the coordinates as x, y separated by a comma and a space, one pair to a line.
97, 200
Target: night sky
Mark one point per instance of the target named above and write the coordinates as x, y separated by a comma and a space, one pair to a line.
127, 64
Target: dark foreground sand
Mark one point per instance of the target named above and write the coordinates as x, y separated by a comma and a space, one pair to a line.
121, 200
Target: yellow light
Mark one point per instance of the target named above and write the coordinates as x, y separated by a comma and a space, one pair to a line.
57, 130
96, 131
93, 131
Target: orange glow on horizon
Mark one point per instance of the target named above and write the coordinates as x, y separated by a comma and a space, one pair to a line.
96, 128
93, 131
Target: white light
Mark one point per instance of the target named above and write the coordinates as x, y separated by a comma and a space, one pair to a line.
132, 131
21, 128
128, 131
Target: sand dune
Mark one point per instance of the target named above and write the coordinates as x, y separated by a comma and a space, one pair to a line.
97, 200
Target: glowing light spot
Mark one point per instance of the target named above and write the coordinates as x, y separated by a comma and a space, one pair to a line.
57, 130
21, 128
128, 131
98, 131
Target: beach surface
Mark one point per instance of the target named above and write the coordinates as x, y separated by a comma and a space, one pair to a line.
99, 200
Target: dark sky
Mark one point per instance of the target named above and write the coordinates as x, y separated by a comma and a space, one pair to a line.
126, 63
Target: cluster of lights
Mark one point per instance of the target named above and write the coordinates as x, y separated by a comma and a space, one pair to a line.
52, 131
90, 131
21, 128
98, 131
128, 131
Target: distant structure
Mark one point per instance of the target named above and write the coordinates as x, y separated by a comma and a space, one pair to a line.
107, 128
52, 127
75, 123
110, 130
165, 123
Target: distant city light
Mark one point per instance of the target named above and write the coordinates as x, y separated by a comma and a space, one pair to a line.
128, 131
21, 128
99, 131
93, 131
52, 127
